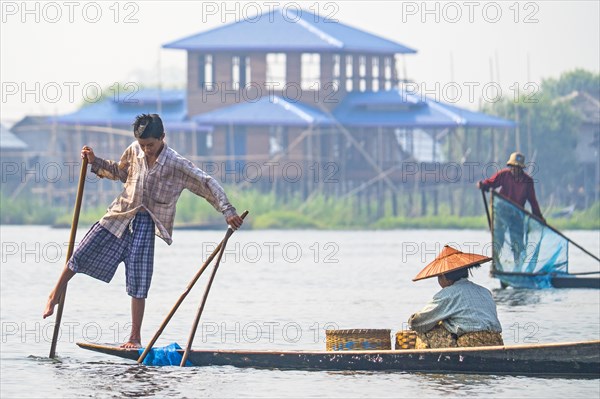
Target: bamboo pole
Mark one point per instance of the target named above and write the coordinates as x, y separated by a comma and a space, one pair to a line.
550, 227
205, 296
74, 224
487, 210
185, 293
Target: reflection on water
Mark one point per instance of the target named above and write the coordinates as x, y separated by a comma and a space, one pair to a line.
43, 359
516, 297
453, 384
123, 380
291, 302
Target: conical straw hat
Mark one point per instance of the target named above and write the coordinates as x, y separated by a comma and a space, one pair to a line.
449, 260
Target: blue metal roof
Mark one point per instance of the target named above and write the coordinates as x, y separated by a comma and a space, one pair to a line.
9, 141
400, 109
471, 118
384, 108
289, 30
396, 98
268, 110
170, 104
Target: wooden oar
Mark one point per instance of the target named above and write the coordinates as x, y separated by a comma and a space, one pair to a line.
77, 209
547, 225
182, 297
487, 210
205, 296
584, 273
566, 238
178, 303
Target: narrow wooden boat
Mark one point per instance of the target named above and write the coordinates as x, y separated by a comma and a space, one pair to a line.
577, 359
571, 281
530, 280
529, 253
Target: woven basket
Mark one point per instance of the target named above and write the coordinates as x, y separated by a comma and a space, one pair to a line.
358, 340
406, 339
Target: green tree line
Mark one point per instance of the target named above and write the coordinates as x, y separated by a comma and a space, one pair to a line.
548, 131
549, 128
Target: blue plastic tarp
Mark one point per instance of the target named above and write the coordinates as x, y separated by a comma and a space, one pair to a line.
165, 356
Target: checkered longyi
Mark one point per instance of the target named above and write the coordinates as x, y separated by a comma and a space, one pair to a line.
100, 253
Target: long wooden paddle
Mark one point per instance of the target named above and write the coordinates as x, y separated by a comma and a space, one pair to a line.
184, 295
205, 296
547, 225
74, 224
487, 210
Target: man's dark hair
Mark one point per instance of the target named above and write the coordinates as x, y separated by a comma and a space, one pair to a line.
460, 273
148, 126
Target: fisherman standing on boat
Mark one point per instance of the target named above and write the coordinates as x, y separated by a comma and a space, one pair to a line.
518, 187
154, 176
462, 313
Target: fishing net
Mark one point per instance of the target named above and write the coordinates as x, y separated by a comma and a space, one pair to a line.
526, 252
165, 356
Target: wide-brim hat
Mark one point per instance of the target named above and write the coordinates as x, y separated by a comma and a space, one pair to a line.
449, 260
516, 159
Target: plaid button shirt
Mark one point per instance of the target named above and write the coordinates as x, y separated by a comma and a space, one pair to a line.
155, 189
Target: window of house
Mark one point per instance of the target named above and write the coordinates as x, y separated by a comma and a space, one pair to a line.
404, 138
310, 72
375, 73
247, 68
206, 76
235, 72
277, 139
362, 73
349, 73
337, 70
275, 74
240, 72
387, 72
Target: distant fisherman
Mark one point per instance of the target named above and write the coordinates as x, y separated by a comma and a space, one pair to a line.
154, 176
462, 313
514, 183
517, 186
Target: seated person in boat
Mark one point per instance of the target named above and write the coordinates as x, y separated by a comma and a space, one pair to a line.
462, 313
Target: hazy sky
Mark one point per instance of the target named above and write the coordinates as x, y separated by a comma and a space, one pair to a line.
51, 51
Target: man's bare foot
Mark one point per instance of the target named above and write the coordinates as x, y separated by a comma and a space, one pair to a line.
132, 344
52, 302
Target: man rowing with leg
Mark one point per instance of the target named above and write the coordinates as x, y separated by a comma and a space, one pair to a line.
154, 176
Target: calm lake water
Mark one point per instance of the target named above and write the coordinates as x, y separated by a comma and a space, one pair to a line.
274, 290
